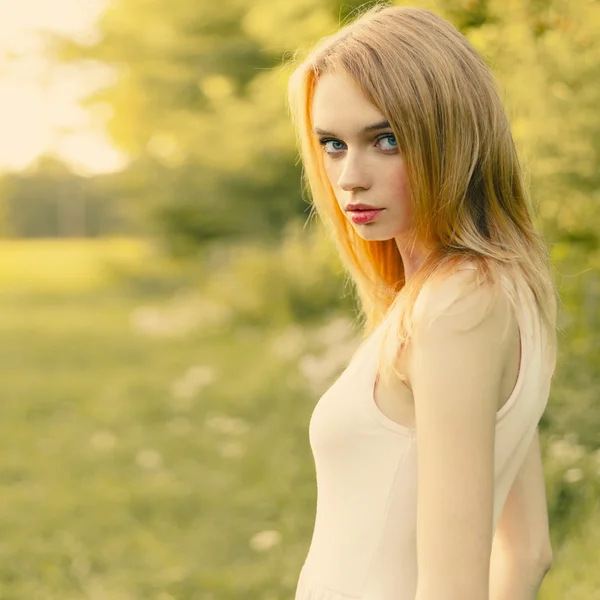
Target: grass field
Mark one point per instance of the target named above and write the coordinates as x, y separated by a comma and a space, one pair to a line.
154, 444
136, 452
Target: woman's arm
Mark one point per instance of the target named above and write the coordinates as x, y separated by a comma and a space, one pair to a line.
515, 579
521, 550
455, 372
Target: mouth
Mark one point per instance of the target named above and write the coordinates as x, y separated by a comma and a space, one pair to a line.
360, 207
361, 216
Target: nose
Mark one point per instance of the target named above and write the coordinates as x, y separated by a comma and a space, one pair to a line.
353, 174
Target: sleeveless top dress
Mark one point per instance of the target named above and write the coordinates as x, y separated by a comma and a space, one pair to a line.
364, 539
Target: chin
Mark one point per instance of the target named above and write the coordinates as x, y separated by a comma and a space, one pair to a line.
372, 234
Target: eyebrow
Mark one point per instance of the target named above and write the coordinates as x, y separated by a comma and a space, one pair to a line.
367, 129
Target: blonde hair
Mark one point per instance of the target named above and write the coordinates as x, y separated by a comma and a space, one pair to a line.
468, 193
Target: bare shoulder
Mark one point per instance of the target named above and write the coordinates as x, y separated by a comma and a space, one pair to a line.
462, 300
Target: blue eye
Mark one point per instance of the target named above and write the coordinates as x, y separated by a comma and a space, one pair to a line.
388, 136
325, 141
337, 146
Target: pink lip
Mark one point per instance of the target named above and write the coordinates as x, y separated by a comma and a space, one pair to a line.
361, 206
364, 216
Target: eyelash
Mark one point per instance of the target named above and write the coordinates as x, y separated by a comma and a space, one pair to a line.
325, 140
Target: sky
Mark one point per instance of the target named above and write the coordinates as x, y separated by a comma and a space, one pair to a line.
39, 101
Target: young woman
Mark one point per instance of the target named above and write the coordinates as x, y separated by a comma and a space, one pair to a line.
427, 455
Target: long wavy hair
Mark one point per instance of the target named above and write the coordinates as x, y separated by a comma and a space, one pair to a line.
467, 189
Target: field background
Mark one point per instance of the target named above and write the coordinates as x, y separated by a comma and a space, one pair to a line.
154, 430
168, 323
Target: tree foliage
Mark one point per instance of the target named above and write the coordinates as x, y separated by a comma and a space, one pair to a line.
199, 103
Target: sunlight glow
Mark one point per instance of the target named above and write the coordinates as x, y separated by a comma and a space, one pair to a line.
40, 109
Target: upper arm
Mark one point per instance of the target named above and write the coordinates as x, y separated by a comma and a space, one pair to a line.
455, 372
522, 531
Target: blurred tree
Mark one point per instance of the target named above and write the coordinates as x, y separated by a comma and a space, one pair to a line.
49, 200
199, 102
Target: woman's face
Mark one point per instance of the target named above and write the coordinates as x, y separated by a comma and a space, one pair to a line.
361, 158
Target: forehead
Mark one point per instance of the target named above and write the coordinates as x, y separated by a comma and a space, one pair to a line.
340, 105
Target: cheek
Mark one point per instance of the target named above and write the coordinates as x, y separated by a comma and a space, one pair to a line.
333, 175
333, 172
397, 184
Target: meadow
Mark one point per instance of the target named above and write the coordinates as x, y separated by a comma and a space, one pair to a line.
154, 423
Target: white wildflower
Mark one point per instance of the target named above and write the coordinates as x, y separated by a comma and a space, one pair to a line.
231, 449
336, 331
192, 381
564, 449
103, 440
179, 317
265, 540
573, 475
290, 342
149, 459
221, 423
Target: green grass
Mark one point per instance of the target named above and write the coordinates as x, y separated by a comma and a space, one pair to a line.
124, 478
66, 265
152, 447
114, 484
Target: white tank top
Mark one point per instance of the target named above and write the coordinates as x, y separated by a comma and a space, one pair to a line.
364, 540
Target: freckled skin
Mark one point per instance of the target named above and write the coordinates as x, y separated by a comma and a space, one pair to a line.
363, 167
